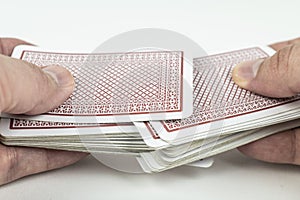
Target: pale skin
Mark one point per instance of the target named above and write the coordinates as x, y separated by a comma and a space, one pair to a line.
25, 88
277, 76
29, 89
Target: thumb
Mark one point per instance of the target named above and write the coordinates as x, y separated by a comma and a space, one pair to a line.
276, 76
29, 89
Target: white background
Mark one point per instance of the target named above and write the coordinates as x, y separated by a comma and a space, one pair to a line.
217, 26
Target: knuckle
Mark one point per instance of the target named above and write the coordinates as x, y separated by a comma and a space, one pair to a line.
295, 146
8, 165
1, 98
38, 83
292, 69
280, 62
295, 41
5, 88
47, 160
2, 49
282, 67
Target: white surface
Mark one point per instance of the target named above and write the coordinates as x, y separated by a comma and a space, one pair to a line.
231, 177
217, 26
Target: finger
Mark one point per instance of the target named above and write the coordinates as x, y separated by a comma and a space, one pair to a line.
7, 45
276, 76
283, 147
17, 162
280, 45
26, 88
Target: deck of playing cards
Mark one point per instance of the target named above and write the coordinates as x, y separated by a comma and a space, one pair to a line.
155, 106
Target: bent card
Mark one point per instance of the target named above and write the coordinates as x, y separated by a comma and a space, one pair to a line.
221, 106
119, 87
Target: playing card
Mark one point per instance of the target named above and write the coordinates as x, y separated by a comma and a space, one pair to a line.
149, 135
30, 128
203, 163
220, 106
119, 87
157, 161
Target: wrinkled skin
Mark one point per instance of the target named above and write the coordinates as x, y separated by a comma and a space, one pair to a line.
277, 76
25, 88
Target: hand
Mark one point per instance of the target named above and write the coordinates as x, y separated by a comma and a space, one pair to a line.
276, 76
26, 88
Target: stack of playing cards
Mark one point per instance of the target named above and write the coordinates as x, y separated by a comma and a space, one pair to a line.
156, 106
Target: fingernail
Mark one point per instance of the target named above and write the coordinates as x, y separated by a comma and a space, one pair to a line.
245, 72
60, 74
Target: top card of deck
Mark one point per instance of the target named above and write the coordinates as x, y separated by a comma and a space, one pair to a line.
119, 87
218, 102
29, 128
